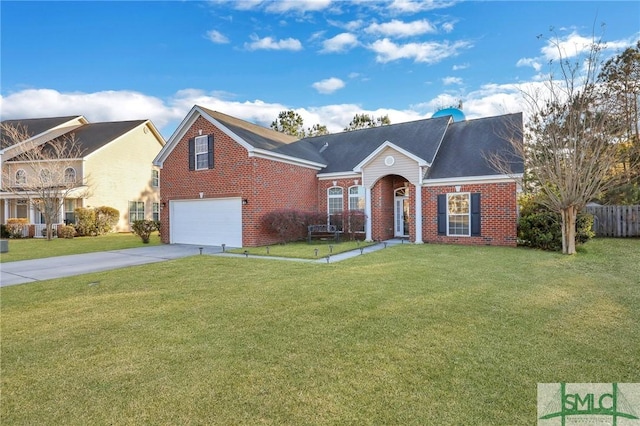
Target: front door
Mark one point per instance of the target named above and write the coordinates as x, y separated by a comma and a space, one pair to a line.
401, 216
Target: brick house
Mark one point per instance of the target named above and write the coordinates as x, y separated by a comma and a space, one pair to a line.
426, 181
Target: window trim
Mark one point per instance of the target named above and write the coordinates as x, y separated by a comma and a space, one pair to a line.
193, 155
334, 197
476, 214
155, 211
468, 214
137, 211
67, 175
360, 195
155, 178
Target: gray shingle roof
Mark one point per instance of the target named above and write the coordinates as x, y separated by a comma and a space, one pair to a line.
93, 136
345, 150
33, 126
467, 144
454, 149
256, 136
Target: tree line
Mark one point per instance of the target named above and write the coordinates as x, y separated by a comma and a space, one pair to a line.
292, 123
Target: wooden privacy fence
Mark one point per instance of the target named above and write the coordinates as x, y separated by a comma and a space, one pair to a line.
616, 221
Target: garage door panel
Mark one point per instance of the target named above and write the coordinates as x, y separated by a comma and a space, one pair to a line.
207, 222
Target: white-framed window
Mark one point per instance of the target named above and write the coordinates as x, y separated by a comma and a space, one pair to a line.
69, 175
335, 206
155, 178
21, 177
22, 209
356, 208
156, 211
136, 211
69, 211
202, 152
459, 214
356, 197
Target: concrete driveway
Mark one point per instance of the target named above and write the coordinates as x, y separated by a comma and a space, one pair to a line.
26, 271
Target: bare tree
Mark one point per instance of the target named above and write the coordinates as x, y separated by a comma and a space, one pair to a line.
48, 174
568, 150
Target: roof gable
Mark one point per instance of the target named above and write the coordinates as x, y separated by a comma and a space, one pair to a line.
91, 137
257, 140
342, 152
449, 149
36, 126
467, 144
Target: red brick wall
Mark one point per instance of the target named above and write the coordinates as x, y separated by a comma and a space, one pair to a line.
266, 185
497, 210
269, 185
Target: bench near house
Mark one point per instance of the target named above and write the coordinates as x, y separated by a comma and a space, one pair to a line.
426, 180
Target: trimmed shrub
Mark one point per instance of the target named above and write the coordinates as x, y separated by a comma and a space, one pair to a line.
538, 227
67, 231
85, 222
143, 229
106, 219
96, 221
289, 224
4, 232
15, 226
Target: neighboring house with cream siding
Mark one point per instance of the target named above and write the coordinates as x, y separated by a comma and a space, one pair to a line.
116, 169
425, 181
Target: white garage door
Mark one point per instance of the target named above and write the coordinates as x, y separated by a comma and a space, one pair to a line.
210, 222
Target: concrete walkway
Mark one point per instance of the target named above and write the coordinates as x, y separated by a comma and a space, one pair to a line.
26, 271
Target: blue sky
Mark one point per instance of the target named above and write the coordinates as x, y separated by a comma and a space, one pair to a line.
328, 60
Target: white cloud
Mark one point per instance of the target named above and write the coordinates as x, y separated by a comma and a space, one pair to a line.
340, 43
217, 37
529, 62
328, 86
166, 114
427, 52
282, 6
410, 6
98, 106
269, 43
397, 28
460, 67
447, 27
451, 80
569, 47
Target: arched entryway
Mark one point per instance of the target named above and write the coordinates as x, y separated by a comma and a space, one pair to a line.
392, 208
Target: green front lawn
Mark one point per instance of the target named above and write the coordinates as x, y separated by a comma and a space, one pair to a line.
36, 248
412, 334
303, 250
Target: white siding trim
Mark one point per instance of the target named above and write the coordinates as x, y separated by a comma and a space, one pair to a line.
381, 148
471, 180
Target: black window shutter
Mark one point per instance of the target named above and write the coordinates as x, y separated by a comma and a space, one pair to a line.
442, 214
192, 154
475, 214
210, 148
